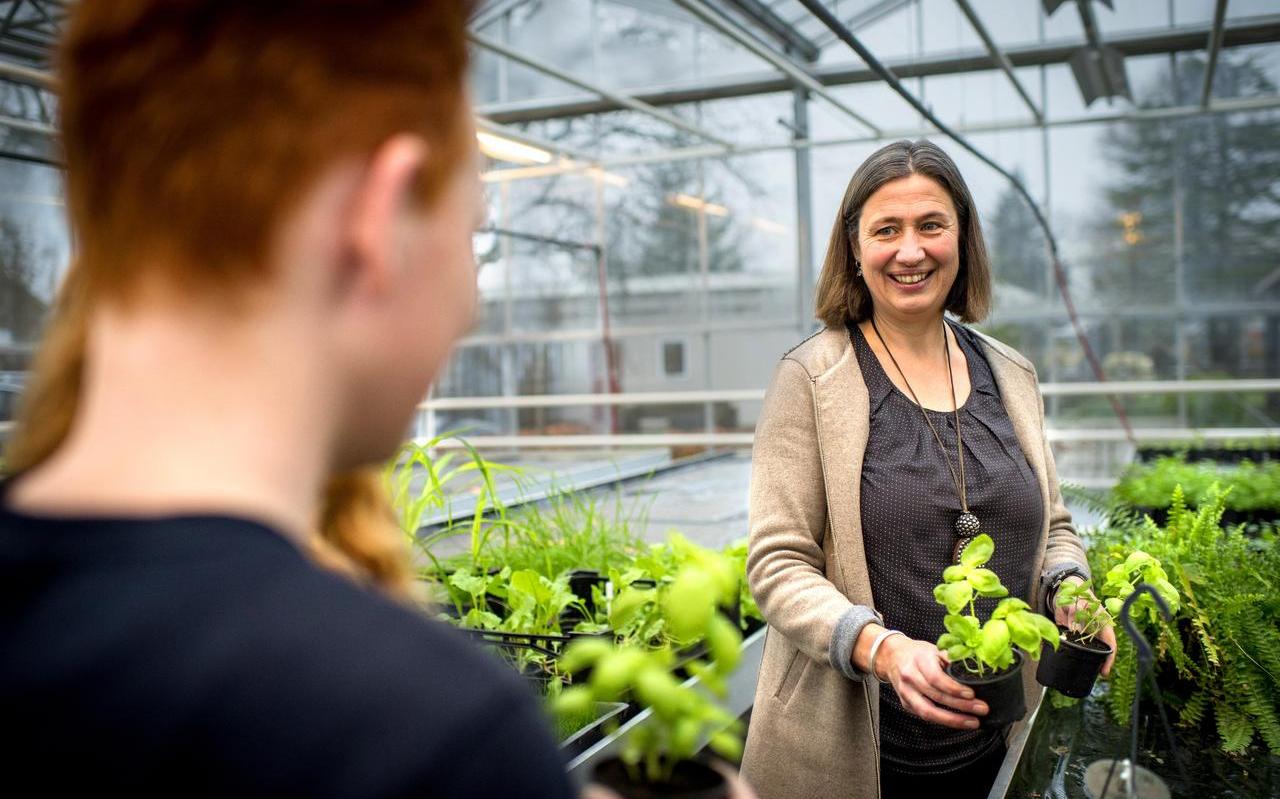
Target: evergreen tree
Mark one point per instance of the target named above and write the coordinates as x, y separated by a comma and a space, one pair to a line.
1018, 252
1226, 169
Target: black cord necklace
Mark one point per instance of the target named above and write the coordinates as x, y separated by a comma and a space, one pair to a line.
966, 524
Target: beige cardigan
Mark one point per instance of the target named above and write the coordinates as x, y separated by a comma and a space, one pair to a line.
814, 732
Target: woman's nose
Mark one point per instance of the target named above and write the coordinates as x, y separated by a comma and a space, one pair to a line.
910, 252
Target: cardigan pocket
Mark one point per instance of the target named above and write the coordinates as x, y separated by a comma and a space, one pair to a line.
791, 677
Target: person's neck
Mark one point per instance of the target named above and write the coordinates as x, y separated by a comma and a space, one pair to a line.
183, 413
917, 337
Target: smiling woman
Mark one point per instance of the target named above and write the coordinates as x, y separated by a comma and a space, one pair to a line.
887, 442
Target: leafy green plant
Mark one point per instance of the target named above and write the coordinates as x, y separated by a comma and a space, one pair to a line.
682, 715
1253, 487
747, 607
1100, 611
1218, 659
470, 596
983, 648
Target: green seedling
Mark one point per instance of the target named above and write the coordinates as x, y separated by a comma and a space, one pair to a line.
984, 648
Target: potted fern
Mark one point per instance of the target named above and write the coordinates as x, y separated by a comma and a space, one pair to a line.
1072, 668
988, 657
658, 757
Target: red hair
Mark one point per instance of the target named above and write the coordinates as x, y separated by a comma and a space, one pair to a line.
191, 129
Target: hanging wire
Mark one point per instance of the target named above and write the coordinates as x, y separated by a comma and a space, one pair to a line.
1060, 275
1146, 669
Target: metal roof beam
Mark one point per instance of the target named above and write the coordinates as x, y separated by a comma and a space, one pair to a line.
28, 76
492, 11
862, 19
785, 33
1215, 44
794, 71
997, 55
1183, 38
618, 98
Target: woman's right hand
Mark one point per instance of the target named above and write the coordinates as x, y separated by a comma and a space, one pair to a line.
916, 670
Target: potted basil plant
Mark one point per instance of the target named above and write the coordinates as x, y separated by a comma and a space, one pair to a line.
658, 757
1072, 668
988, 657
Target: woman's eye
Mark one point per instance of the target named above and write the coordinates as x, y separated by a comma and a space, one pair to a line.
884, 231
930, 226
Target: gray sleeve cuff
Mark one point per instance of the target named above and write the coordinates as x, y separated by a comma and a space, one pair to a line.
845, 635
1056, 574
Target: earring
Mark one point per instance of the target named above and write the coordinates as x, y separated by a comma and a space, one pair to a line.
859, 271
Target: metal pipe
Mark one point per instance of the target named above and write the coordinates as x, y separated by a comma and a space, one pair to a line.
746, 439
793, 70
786, 34
29, 76
999, 57
1127, 388
624, 100
1185, 38
1215, 44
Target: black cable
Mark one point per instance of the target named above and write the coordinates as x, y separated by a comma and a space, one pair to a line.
1060, 275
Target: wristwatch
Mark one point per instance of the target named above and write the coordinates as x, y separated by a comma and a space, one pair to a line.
1052, 593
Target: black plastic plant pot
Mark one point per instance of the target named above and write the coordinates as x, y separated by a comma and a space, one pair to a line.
689, 780
1002, 691
581, 581
1073, 667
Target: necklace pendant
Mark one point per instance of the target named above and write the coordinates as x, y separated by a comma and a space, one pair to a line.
967, 525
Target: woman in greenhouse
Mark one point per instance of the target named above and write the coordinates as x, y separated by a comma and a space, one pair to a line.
887, 442
273, 206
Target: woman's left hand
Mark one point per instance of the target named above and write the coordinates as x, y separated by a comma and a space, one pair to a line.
1065, 616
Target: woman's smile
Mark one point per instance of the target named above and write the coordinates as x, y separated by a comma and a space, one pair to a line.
912, 280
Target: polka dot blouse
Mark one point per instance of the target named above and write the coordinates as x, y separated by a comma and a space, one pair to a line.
909, 508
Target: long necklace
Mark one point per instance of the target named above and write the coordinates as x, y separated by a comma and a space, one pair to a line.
967, 523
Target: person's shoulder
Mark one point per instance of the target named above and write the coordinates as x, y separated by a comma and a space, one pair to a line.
994, 348
359, 629
331, 666
821, 351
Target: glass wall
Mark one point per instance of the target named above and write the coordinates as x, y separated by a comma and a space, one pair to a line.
644, 258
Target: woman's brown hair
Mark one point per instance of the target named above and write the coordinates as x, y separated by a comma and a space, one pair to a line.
190, 128
841, 296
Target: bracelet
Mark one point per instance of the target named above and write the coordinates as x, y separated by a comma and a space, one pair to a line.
875, 650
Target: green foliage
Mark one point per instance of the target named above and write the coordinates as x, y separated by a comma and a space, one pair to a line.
1218, 660
1099, 611
1253, 487
683, 717
737, 553
982, 647
658, 599
418, 484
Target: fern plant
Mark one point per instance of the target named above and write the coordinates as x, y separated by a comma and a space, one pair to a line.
1218, 659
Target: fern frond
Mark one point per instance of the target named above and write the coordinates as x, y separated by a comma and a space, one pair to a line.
1234, 729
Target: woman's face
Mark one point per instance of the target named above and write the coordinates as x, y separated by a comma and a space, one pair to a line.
909, 247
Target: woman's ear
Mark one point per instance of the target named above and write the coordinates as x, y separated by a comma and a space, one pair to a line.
385, 196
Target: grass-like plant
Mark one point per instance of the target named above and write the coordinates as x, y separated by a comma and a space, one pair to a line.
986, 648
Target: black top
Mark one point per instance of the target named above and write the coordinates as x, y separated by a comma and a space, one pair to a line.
205, 656
909, 508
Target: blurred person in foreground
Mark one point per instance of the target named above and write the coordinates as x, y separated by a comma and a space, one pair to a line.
273, 206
